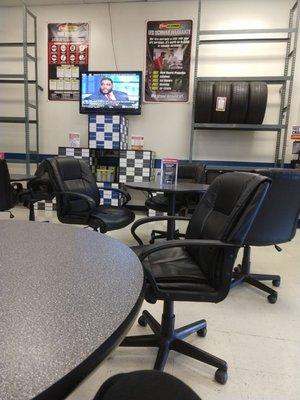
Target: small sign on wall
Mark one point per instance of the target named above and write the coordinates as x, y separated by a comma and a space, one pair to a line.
295, 133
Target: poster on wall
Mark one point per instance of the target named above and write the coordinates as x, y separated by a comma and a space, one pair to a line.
168, 59
68, 45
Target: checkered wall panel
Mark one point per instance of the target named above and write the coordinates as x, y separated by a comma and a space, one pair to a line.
108, 132
136, 165
76, 152
46, 205
108, 197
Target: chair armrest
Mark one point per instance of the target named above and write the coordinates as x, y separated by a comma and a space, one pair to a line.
123, 192
153, 219
90, 202
168, 244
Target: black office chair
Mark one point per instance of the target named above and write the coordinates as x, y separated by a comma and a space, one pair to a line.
39, 188
78, 199
145, 385
198, 268
275, 223
9, 192
184, 202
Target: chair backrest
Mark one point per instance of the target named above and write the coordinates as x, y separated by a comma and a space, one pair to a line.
277, 219
68, 174
7, 200
192, 172
225, 213
40, 186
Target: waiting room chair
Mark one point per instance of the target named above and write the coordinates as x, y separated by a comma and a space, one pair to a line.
185, 202
78, 199
145, 385
39, 188
199, 267
276, 223
9, 192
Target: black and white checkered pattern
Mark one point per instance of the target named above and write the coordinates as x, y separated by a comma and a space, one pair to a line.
45, 205
108, 197
76, 152
136, 165
108, 132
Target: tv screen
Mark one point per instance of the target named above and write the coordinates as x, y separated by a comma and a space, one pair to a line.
110, 92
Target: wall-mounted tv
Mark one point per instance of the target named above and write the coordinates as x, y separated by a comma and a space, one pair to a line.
106, 92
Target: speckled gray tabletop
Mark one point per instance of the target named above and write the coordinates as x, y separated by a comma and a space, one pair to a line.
63, 292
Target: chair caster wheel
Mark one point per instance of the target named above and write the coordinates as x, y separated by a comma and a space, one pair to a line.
272, 298
238, 269
221, 376
276, 282
202, 332
142, 321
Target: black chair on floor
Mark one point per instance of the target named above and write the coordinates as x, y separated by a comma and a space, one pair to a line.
9, 192
78, 199
199, 267
39, 188
184, 202
275, 223
145, 385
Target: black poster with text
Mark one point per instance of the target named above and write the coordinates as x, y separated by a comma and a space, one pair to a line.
168, 59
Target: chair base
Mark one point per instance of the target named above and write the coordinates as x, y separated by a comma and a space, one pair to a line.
242, 274
166, 338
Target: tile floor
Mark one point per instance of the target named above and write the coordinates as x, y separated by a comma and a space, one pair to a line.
260, 341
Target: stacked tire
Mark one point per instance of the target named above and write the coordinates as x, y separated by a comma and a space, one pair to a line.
231, 102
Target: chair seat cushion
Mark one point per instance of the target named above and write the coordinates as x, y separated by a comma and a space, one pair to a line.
174, 269
111, 217
160, 203
145, 385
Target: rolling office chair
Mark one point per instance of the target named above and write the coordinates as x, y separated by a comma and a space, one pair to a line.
188, 201
78, 199
39, 188
199, 267
276, 223
145, 385
9, 192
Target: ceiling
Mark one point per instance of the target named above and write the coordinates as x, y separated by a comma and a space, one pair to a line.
12, 3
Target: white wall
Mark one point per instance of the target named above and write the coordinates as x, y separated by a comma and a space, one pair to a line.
166, 127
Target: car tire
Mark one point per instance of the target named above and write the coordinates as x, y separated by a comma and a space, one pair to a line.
239, 102
204, 102
222, 90
258, 96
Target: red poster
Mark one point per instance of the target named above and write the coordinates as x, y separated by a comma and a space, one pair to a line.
68, 45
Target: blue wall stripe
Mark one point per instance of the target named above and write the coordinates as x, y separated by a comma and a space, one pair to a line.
214, 163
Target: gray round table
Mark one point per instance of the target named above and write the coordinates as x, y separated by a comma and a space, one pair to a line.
68, 297
170, 190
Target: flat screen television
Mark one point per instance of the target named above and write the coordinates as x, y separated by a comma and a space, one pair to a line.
107, 92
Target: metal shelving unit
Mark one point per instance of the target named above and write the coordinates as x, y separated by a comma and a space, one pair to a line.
23, 79
285, 81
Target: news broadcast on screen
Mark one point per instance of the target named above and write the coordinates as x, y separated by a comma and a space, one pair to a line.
110, 92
